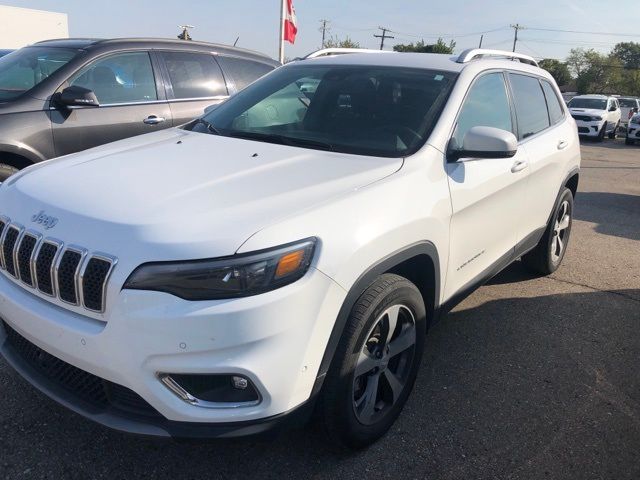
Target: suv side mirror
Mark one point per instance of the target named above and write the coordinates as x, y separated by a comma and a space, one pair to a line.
612, 108
485, 142
76, 96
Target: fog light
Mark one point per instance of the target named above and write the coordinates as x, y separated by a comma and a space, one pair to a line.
239, 382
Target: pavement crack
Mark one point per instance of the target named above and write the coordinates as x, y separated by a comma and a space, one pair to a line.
613, 292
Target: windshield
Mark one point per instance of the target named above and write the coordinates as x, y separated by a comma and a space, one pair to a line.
594, 103
23, 69
363, 110
628, 102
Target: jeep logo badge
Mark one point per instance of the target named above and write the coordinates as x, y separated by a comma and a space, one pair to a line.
45, 220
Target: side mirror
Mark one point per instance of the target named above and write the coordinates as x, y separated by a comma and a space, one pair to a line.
612, 108
485, 142
76, 96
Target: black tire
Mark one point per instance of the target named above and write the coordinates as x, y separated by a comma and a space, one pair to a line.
629, 141
602, 133
7, 170
545, 258
342, 389
10, 164
614, 134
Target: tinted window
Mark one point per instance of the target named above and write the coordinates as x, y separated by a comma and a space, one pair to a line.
555, 110
120, 78
628, 103
594, 103
194, 75
27, 67
356, 109
486, 105
531, 108
243, 72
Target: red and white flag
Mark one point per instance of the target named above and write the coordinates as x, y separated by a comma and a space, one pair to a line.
290, 23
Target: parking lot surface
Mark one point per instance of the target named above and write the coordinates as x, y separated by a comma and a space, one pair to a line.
528, 378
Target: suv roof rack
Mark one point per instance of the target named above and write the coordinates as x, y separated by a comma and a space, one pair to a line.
326, 52
475, 53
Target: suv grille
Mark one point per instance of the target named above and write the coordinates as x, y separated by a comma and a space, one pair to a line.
70, 273
83, 385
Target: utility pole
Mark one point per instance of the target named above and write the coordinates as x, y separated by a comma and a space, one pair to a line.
481, 38
324, 28
383, 36
516, 28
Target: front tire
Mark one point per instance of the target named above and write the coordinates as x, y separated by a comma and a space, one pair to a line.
547, 256
376, 362
602, 133
614, 134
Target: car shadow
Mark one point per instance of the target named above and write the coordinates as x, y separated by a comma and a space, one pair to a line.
523, 387
615, 214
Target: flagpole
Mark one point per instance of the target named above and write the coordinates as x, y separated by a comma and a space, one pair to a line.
281, 43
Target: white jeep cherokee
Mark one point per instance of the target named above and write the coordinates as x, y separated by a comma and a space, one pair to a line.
288, 250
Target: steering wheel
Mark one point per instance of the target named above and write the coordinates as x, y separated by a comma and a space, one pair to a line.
406, 134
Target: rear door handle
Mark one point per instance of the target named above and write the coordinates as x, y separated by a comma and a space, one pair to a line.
518, 166
154, 120
562, 145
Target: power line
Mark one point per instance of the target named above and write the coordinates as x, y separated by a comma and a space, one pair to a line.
516, 28
585, 33
383, 36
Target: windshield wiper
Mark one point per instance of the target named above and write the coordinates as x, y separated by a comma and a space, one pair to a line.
282, 140
207, 124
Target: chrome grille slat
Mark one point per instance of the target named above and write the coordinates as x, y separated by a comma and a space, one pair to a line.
69, 273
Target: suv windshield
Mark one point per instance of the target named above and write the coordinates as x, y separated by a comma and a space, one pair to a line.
363, 110
594, 103
23, 69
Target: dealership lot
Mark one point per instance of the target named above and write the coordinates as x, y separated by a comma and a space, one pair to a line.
529, 377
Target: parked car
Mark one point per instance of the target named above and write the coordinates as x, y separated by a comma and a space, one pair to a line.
633, 130
4, 52
62, 96
284, 252
628, 108
596, 115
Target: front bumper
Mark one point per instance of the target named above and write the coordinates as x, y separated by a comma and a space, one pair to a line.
589, 129
633, 131
276, 340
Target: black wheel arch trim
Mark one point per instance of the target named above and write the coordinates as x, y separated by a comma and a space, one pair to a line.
361, 284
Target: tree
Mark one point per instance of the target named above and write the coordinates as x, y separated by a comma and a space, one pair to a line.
559, 70
628, 53
335, 42
420, 47
595, 72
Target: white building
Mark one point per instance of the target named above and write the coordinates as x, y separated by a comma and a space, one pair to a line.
23, 26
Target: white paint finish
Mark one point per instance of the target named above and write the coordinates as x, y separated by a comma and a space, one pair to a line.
24, 26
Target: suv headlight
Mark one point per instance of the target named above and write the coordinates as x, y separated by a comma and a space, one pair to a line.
226, 277
597, 119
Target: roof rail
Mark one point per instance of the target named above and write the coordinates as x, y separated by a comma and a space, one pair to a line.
326, 52
475, 53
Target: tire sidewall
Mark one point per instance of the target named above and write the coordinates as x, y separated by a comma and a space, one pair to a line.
566, 196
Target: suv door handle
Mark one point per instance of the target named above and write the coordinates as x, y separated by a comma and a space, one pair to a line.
562, 145
153, 120
518, 166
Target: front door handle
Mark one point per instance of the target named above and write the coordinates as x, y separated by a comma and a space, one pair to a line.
154, 120
518, 166
562, 145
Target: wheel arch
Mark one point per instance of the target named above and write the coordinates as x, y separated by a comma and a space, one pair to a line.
15, 159
572, 182
419, 263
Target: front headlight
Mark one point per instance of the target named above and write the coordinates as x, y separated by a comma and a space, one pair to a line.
597, 119
227, 277
635, 120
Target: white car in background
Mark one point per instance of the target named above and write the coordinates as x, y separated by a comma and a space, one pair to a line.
596, 115
629, 106
633, 130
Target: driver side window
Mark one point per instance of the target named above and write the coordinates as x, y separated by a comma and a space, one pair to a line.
120, 78
486, 105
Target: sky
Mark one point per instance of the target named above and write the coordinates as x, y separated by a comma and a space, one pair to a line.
255, 22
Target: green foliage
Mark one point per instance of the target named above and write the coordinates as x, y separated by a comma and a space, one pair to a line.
595, 72
559, 70
628, 53
335, 42
420, 47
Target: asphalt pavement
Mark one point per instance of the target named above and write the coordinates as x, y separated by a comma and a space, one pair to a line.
529, 378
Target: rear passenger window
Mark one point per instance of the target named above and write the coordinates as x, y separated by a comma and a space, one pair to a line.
243, 71
194, 75
531, 108
553, 103
486, 105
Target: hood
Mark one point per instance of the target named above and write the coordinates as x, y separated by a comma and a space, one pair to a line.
176, 194
588, 111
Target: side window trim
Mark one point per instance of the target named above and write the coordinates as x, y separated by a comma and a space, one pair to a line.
160, 93
557, 99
